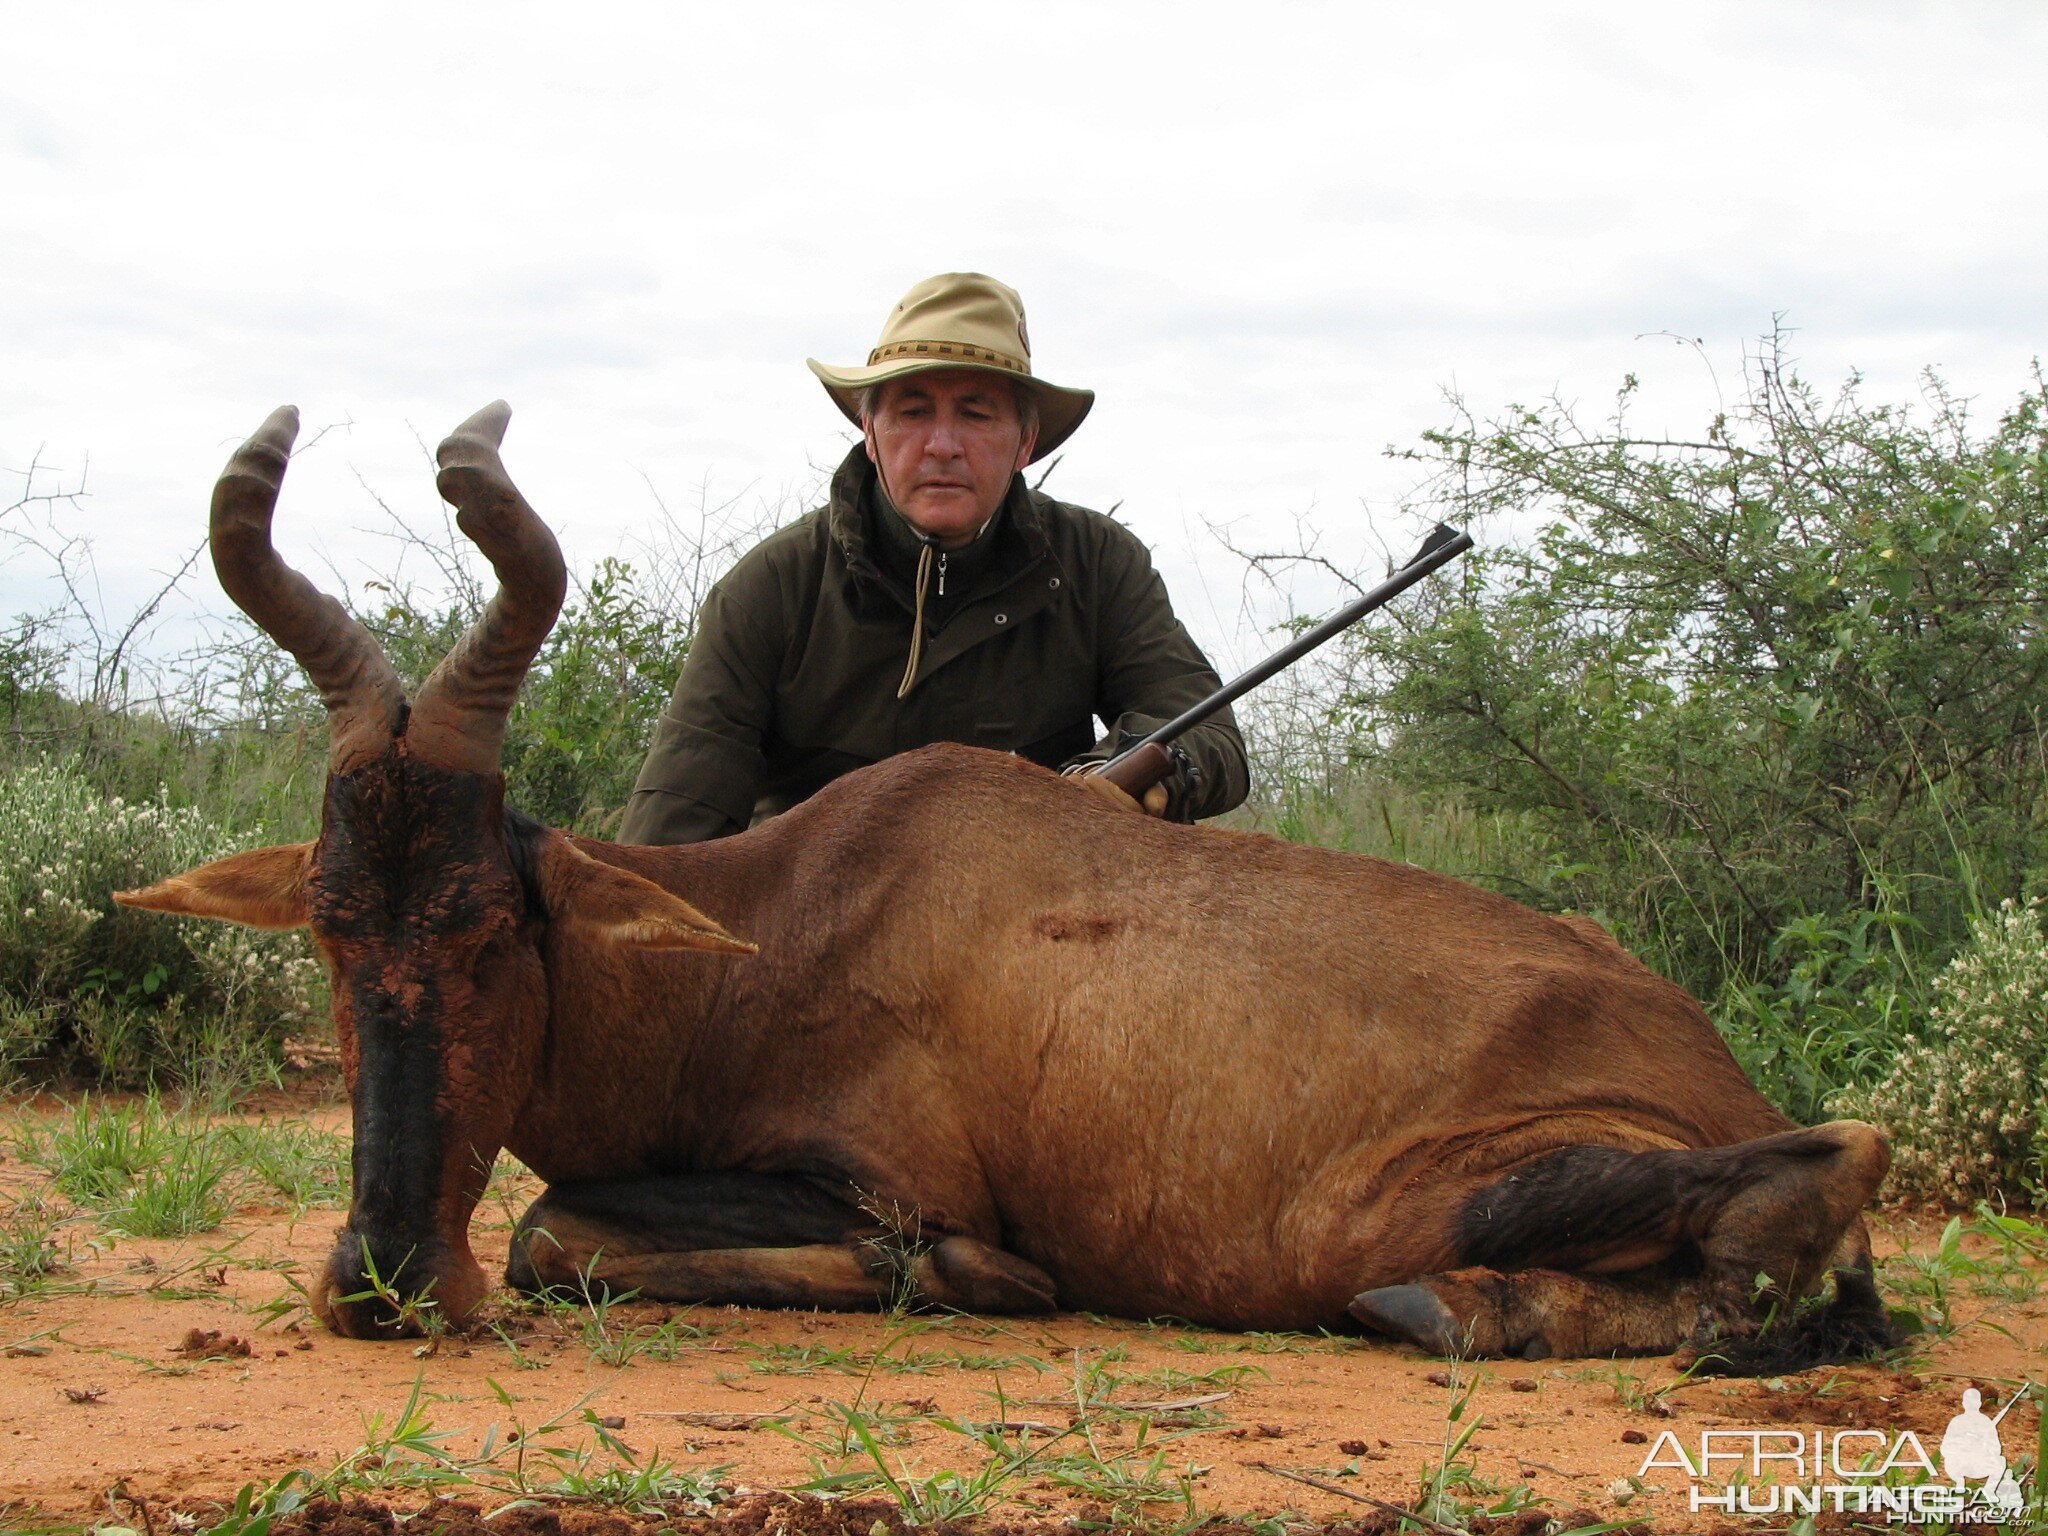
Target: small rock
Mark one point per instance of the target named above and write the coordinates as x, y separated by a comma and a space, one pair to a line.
1522, 1384
612, 1421
1438, 1378
1354, 1447
1634, 1437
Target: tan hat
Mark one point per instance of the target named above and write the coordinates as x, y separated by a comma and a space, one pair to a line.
959, 320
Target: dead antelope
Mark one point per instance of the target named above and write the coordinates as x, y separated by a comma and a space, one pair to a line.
1076, 1057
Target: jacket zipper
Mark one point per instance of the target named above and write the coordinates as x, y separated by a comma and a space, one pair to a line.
942, 573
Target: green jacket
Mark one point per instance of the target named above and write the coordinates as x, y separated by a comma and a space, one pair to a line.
1052, 619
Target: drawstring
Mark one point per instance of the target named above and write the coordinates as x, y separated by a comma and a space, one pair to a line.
924, 571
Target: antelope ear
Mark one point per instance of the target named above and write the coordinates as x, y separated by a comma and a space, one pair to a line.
616, 906
265, 888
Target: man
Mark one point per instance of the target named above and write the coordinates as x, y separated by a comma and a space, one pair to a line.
935, 597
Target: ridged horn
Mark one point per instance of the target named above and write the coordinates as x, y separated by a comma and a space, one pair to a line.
458, 720
365, 700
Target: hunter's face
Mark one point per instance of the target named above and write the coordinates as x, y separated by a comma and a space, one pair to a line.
946, 443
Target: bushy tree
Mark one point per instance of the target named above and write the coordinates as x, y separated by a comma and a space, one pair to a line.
1774, 694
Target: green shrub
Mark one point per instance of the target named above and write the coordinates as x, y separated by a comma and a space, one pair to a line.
131, 997
575, 741
1783, 672
576, 736
1966, 1101
1831, 1008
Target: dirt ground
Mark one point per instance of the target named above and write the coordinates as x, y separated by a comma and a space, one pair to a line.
156, 1374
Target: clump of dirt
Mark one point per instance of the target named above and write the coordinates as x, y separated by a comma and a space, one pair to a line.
1896, 1401
781, 1514
362, 1517
212, 1344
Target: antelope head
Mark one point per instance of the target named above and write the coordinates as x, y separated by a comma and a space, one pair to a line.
425, 906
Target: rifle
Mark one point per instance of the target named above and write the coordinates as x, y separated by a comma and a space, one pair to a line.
1153, 758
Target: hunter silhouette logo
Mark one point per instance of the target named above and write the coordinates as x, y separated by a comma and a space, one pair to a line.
1971, 1451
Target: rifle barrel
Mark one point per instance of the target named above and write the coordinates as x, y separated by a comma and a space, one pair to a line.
1440, 549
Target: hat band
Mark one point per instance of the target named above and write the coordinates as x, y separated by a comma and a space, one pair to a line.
954, 349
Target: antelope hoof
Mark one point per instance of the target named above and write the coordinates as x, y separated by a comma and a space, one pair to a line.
979, 1278
1412, 1314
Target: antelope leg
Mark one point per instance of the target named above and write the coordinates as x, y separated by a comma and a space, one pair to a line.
757, 1240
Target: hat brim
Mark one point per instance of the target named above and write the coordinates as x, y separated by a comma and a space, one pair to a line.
1060, 410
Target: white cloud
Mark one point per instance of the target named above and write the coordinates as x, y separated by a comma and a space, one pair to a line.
1269, 236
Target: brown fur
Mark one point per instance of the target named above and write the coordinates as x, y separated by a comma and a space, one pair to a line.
1191, 1107
957, 1024
1178, 1070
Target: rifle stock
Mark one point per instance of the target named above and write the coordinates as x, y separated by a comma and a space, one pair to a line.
1139, 769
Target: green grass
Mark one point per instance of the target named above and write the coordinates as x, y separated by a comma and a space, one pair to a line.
138, 1168
177, 1197
863, 1449
30, 1251
804, 1359
305, 1167
570, 1455
615, 1339
145, 1170
613, 1325
1203, 1342
1634, 1392
1990, 1257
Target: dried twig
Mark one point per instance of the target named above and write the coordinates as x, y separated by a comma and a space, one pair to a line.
119, 1494
710, 1419
1401, 1511
1178, 1405
1105, 1405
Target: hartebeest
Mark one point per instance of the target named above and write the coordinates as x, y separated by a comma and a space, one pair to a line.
987, 1036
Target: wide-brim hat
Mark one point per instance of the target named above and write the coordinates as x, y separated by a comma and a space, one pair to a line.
959, 320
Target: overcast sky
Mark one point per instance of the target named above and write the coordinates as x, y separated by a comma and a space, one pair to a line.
1270, 236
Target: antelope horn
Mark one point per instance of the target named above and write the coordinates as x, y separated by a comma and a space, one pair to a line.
458, 720
365, 700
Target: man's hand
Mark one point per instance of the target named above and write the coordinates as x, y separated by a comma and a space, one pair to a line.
1154, 803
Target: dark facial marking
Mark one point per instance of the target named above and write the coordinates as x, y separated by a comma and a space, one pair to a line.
411, 876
